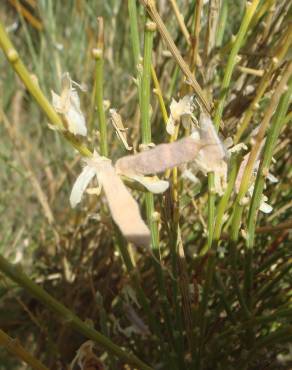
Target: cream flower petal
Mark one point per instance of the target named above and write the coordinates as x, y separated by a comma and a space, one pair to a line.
265, 207
190, 176
212, 156
228, 142
81, 184
272, 178
68, 105
153, 184
76, 121
183, 106
170, 126
124, 209
180, 111
160, 158
57, 102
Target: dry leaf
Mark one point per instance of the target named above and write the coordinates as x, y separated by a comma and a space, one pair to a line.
181, 110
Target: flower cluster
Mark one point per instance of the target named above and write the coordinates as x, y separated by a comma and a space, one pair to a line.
201, 151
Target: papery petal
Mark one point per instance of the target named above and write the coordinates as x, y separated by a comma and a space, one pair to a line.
160, 158
236, 148
81, 184
57, 102
74, 99
190, 176
228, 142
187, 122
68, 104
220, 181
76, 121
124, 209
212, 156
170, 126
272, 178
195, 134
265, 207
153, 184
183, 106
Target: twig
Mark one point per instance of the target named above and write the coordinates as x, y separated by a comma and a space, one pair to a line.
180, 20
15, 61
196, 38
255, 149
150, 6
97, 54
273, 135
15, 348
18, 276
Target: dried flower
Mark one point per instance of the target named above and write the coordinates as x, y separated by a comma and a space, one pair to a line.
160, 158
86, 359
68, 106
203, 150
180, 111
213, 156
264, 207
124, 209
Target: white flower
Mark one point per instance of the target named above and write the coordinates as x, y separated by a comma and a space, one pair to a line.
186, 173
181, 110
68, 105
264, 207
151, 183
203, 150
124, 209
213, 156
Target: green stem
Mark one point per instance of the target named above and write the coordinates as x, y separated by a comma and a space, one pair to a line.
15, 273
146, 139
204, 304
222, 23
16, 63
15, 348
222, 206
211, 207
134, 31
267, 288
98, 55
145, 85
245, 182
250, 10
135, 278
273, 135
224, 297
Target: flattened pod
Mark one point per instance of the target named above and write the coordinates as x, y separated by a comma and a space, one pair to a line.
160, 158
124, 209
